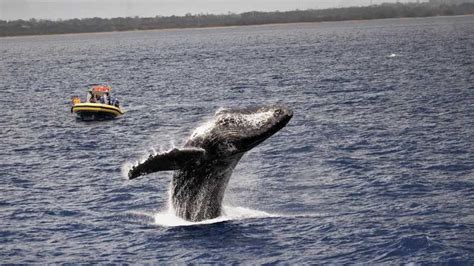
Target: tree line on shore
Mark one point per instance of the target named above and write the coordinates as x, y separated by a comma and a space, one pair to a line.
40, 27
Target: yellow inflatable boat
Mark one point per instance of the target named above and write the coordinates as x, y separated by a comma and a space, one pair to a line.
99, 105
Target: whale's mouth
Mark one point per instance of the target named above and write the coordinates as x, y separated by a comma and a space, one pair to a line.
246, 128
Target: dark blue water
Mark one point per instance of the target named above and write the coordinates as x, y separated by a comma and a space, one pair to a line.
376, 166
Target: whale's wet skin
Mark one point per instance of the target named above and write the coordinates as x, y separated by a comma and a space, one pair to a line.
204, 165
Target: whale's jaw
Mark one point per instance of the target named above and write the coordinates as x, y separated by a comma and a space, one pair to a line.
278, 118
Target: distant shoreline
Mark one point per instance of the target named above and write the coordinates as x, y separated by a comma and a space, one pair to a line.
223, 27
229, 27
35, 27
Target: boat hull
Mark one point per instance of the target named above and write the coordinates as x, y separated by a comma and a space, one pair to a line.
96, 111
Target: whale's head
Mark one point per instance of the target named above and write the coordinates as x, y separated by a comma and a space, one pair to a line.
234, 131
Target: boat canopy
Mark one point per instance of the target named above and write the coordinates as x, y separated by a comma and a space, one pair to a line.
100, 89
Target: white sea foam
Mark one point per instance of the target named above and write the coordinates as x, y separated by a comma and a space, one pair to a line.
169, 219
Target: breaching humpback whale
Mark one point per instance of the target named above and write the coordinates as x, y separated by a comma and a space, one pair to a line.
204, 165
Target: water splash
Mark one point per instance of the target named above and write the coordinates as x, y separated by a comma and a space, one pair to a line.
229, 213
126, 168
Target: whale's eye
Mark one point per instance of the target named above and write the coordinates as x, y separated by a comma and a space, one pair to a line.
278, 112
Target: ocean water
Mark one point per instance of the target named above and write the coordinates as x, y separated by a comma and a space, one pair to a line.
376, 166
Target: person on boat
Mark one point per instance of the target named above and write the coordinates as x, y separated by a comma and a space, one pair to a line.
114, 101
92, 99
104, 99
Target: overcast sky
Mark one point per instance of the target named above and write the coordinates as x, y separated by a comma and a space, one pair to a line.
66, 9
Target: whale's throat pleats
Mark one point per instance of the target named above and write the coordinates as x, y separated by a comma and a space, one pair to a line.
197, 192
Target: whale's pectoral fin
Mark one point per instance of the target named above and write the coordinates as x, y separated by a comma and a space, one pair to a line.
170, 160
